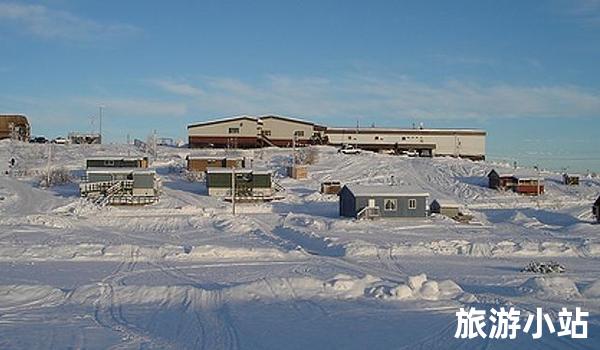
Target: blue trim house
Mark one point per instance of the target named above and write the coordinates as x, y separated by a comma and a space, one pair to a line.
370, 202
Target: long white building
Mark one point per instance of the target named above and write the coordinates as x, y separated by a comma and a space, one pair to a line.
467, 143
250, 132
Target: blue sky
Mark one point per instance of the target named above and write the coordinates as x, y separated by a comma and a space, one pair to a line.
161, 65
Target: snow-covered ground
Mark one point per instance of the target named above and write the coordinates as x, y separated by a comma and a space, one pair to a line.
185, 273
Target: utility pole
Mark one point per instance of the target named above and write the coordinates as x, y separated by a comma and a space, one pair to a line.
538, 185
101, 107
154, 146
294, 160
49, 165
356, 137
233, 190
537, 169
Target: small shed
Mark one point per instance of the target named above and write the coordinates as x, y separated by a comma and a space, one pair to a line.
522, 181
372, 202
528, 182
445, 207
331, 187
596, 209
571, 179
297, 171
248, 182
201, 163
237, 162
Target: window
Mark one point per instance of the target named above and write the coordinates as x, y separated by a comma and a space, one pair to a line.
267, 132
376, 137
234, 130
349, 137
299, 133
403, 138
109, 162
390, 205
412, 204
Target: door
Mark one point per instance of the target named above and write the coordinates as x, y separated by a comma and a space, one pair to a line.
371, 203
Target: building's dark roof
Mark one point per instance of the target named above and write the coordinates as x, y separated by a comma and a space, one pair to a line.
223, 120
288, 119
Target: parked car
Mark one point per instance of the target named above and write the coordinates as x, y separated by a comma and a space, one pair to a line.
411, 153
60, 141
38, 139
349, 149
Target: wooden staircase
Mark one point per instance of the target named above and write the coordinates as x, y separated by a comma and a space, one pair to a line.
370, 213
265, 140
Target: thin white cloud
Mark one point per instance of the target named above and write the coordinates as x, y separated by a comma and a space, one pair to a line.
389, 98
448, 59
177, 88
135, 107
43, 22
586, 12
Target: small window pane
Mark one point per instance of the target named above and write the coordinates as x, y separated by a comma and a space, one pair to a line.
390, 205
412, 204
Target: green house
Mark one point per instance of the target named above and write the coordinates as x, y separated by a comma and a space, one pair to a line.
120, 186
248, 182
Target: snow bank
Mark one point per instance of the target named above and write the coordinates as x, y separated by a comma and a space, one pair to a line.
100, 252
553, 287
37, 220
340, 287
14, 296
477, 249
592, 290
419, 287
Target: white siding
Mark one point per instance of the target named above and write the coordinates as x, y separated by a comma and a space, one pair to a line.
284, 129
247, 127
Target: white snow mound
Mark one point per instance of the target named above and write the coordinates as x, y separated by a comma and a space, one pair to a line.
553, 287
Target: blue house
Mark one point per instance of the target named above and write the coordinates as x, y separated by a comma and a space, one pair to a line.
370, 202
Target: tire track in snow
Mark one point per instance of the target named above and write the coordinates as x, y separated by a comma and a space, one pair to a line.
109, 314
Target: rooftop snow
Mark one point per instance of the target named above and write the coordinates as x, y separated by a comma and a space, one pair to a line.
400, 130
115, 158
213, 170
448, 203
113, 170
385, 190
521, 173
